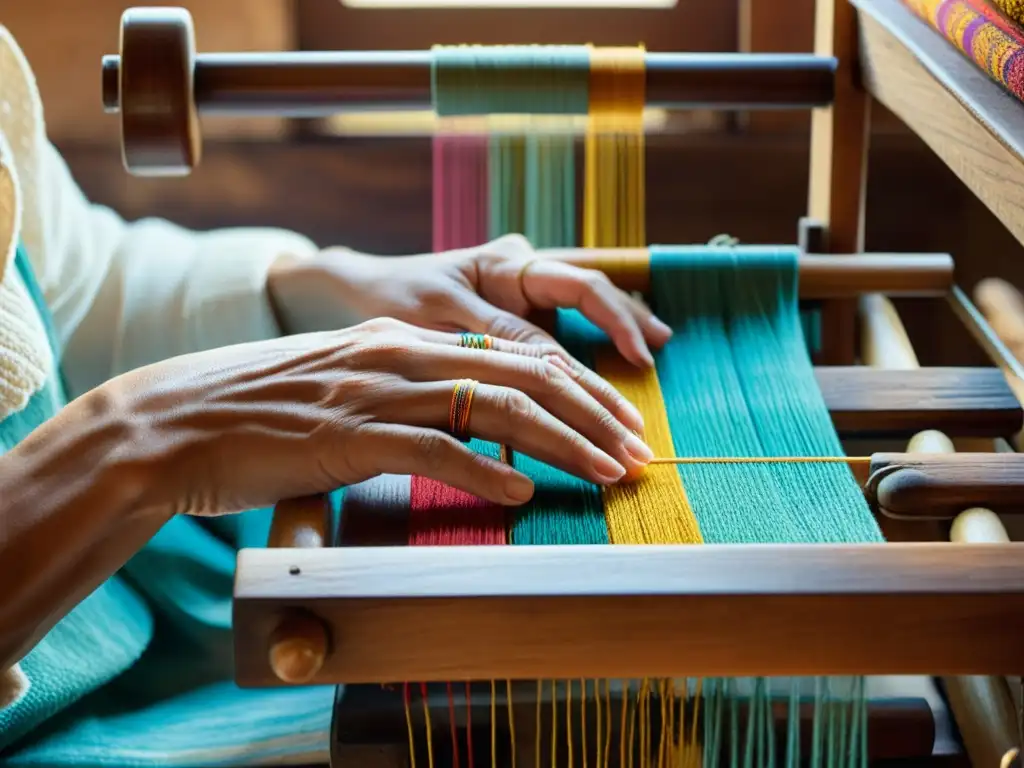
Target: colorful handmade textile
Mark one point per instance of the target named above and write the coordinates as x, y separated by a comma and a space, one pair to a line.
987, 37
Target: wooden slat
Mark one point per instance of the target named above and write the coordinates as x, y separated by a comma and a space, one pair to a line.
974, 126
962, 402
838, 172
536, 612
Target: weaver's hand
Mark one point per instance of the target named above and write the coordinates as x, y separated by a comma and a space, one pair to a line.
245, 426
487, 290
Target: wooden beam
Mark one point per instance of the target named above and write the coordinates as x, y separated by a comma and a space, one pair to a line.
838, 174
538, 612
962, 402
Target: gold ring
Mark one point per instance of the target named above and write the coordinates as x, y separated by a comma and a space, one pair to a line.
522, 275
476, 341
462, 403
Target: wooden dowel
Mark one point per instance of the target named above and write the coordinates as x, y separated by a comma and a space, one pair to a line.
300, 642
821, 276
1003, 308
320, 83
981, 705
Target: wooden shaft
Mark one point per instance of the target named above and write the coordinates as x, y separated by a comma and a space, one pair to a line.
981, 704
299, 643
1003, 307
315, 84
556, 613
822, 276
940, 486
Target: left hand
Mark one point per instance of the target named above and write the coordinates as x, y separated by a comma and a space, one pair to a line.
489, 289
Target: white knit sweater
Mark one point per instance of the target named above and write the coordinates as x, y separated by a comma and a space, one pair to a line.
122, 294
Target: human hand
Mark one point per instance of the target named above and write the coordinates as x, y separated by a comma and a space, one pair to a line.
245, 426
487, 290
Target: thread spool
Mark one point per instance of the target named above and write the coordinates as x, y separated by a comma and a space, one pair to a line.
160, 133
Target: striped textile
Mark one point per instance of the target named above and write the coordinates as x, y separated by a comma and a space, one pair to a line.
981, 32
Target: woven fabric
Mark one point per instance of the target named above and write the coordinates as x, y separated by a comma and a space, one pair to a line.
993, 42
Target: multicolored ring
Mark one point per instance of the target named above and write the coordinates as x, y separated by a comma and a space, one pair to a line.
476, 341
461, 405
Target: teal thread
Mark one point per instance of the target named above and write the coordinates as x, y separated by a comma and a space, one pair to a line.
511, 80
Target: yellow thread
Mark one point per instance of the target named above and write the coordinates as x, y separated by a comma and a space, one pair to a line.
653, 509
568, 718
599, 722
681, 736
554, 723
408, 724
693, 751
426, 724
583, 722
666, 721
632, 730
608, 725
511, 724
614, 205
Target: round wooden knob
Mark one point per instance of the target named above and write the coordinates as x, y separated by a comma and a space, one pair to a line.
298, 648
159, 123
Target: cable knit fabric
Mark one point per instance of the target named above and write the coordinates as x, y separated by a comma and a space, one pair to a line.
140, 673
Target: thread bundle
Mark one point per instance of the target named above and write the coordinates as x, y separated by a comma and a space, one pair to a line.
735, 379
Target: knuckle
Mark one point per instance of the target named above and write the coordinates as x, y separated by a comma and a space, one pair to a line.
517, 407
546, 374
596, 280
382, 325
432, 449
513, 243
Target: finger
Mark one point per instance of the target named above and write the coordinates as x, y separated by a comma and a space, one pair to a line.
545, 382
510, 417
594, 385
408, 450
628, 323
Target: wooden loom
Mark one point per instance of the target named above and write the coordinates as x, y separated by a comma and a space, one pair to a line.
307, 612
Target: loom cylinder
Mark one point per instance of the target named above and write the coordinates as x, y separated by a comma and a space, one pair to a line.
160, 85
317, 84
982, 705
822, 276
300, 642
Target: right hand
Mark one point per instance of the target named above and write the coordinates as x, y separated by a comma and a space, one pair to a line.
246, 426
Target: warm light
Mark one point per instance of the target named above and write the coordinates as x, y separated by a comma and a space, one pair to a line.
426, 123
484, 4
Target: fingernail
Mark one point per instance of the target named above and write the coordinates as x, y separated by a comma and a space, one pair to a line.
638, 449
519, 488
660, 327
608, 468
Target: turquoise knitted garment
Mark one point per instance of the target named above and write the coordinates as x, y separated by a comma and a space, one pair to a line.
140, 673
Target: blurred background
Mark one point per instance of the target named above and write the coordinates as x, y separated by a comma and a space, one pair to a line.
360, 182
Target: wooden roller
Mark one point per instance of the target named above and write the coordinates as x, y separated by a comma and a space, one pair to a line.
300, 642
159, 122
822, 276
981, 705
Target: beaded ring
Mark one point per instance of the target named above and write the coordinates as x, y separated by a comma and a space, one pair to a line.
476, 341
